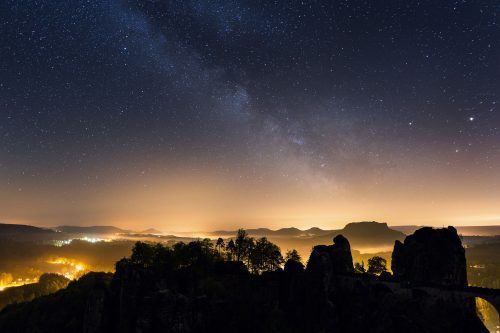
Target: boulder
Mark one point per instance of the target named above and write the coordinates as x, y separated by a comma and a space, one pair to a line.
431, 257
336, 258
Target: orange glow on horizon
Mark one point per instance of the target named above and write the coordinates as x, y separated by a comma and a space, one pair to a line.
185, 201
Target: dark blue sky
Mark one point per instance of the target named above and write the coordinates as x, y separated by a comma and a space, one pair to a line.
334, 98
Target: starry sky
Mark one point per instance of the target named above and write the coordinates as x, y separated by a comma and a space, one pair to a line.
199, 115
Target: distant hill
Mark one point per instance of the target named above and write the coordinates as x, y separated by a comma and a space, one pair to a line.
151, 231
406, 229
364, 235
16, 229
252, 232
469, 241
283, 232
317, 231
21, 232
489, 230
99, 229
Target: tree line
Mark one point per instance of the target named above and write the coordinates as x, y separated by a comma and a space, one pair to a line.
258, 255
376, 266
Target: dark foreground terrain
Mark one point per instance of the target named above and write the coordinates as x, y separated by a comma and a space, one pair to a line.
189, 288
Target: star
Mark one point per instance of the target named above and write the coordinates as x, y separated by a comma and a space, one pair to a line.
245, 86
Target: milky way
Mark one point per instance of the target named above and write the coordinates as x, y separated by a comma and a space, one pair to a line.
255, 112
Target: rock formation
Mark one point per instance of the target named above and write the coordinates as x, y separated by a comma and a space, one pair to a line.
336, 258
203, 297
431, 257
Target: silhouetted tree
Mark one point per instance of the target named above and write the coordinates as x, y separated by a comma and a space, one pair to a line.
163, 258
248, 249
258, 255
264, 256
142, 254
200, 253
220, 244
293, 255
231, 250
276, 259
241, 243
377, 265
207, 246
360, 268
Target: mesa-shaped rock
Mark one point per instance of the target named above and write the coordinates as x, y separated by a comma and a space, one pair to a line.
431, 257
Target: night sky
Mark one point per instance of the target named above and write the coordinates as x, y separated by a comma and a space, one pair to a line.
198, 115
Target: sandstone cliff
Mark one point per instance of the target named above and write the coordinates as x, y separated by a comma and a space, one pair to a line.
431, 257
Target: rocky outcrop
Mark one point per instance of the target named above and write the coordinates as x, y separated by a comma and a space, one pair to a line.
430, 257
80, 308
334, 259
325, 297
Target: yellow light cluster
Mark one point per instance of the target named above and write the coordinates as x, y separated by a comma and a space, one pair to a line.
17, 283
71, 268
94, 239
